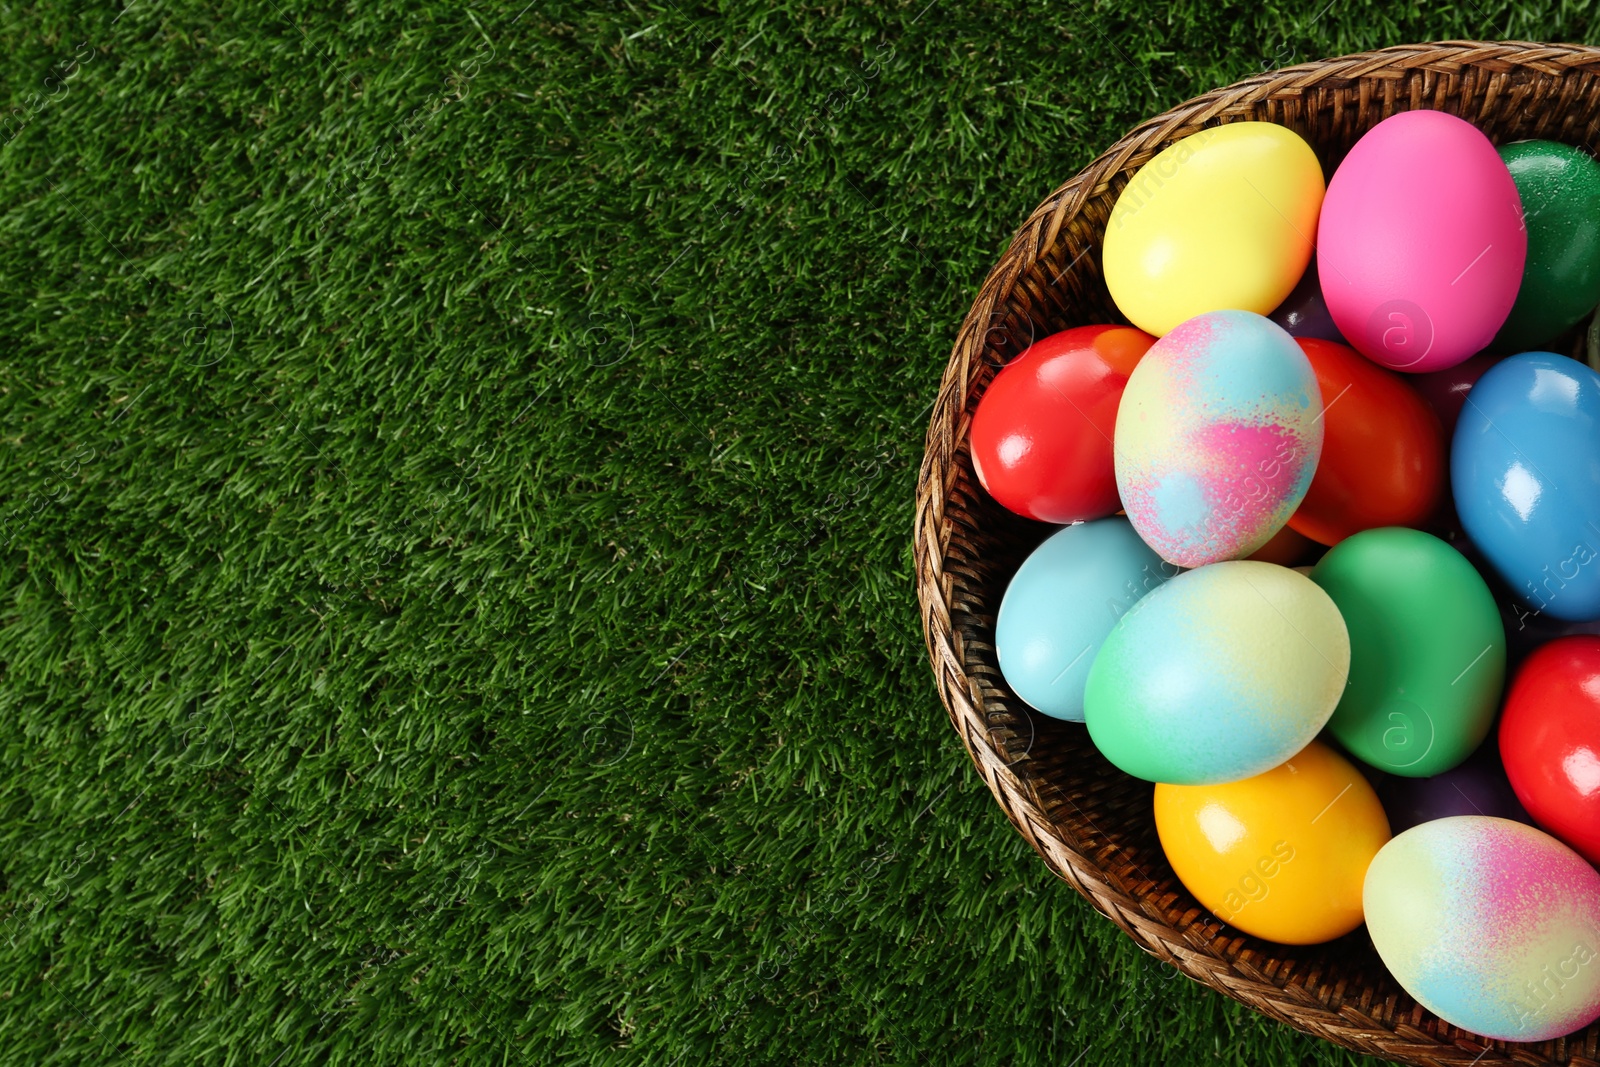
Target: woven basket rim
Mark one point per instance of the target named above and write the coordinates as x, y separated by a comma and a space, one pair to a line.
1474, 79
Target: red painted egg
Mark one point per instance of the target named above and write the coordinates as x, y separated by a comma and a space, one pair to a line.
1041, 437
1383, 452
1550, 740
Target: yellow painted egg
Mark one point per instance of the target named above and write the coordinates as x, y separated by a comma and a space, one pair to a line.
1224, 219
1282, 855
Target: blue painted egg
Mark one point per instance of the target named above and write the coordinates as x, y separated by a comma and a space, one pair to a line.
1061, 604
1525, 471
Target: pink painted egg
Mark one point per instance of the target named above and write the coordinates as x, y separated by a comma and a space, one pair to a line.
1420, 244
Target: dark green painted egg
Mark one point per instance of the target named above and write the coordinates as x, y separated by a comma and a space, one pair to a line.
1560, 190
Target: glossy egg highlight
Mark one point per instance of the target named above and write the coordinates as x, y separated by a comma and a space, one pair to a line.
1304, 313
1041, 437
1218, 435
1490, 924
1525, 472
1550, 740
1220, 673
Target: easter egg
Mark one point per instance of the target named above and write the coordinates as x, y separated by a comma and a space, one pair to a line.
1281, 855
1445, 391
1224, 218
1383, 451
1304, 313
1061, 604
1559, 187
1525, 471
1529, 629
1217, 437
1041, 437
1492, 925
1477, 787
1218, 674
1286, 548
1427, 651
1420, 245
1550, 740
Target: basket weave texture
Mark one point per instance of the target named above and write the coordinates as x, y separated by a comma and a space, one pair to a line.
1092, 824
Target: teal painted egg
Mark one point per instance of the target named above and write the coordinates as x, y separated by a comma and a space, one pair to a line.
1221, 673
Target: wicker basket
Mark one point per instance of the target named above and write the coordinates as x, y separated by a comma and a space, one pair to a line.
1093, 824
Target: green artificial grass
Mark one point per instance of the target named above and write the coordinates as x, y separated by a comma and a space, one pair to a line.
456, 468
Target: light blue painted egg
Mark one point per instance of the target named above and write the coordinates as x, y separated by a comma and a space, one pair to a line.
1061, 604
1525, 470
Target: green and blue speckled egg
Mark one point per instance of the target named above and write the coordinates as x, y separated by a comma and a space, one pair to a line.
1221, 673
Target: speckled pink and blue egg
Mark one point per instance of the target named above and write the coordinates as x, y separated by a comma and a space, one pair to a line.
1492, 925
1217, 437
